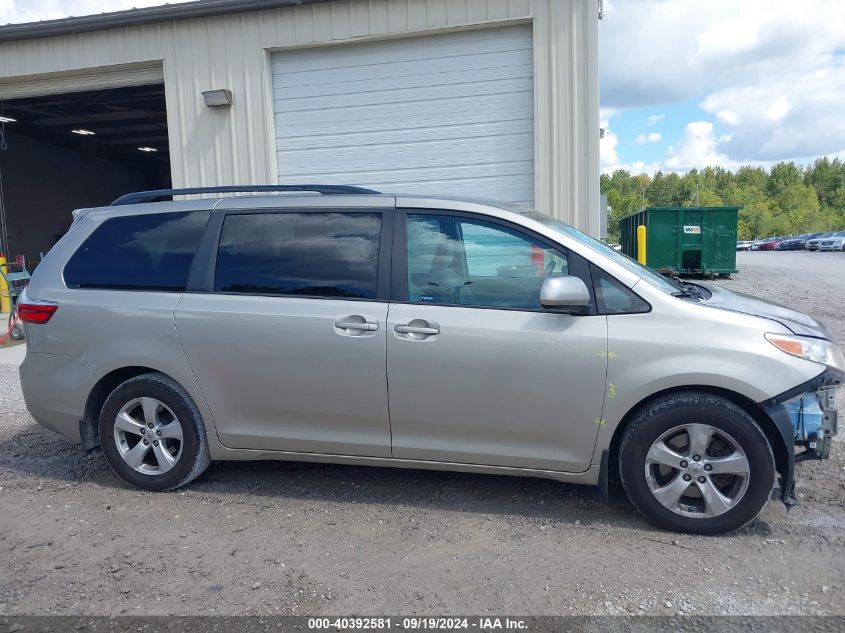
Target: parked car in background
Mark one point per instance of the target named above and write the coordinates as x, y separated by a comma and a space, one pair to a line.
835, 242
744, 245
782, 245
796, 242
770, 244
813, 244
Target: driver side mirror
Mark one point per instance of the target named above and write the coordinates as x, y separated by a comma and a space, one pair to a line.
564, 292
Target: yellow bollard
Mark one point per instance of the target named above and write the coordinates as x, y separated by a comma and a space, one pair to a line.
641, 244
5, 302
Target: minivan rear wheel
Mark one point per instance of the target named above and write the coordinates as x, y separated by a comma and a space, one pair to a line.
152, 433
695, 462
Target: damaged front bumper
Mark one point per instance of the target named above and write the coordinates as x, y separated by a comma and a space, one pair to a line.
814, 419
806, 417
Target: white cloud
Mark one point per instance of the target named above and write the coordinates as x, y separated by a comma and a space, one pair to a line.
697, 148
659, 51
609, 161
728, 116
654, 119
770, 72
791, 116
19, 11
607, 145
778, 109
652, 137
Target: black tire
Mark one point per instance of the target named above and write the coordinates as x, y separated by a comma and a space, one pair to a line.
664, 414
193, 457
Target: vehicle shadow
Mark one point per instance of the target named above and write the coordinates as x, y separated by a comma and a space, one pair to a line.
41, 454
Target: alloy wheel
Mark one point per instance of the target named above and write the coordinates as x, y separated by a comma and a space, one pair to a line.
697, 470
148, 436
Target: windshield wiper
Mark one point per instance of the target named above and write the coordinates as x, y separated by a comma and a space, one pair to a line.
686, 294
687, 290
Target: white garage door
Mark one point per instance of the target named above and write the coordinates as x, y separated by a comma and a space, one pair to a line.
441, 115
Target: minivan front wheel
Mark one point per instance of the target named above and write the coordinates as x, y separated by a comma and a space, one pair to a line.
695, 462
152, 433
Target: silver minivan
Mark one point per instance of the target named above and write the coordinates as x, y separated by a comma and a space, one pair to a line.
338, 324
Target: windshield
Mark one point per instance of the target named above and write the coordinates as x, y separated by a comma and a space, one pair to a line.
654, 279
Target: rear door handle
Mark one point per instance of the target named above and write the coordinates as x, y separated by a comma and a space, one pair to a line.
413, 329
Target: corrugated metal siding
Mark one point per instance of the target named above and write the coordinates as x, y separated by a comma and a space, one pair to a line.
236, 146
140, 74
447, 114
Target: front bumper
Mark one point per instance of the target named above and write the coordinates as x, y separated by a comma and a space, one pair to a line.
806, 417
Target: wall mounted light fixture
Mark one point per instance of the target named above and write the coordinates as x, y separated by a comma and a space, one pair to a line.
217, 98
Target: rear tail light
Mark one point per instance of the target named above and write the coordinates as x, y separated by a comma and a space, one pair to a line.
36, 311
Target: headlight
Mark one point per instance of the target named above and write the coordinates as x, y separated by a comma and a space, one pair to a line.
814, 349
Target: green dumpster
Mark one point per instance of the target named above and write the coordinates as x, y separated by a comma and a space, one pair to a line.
685, 240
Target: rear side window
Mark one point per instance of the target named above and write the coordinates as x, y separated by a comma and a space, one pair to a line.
305, 254
139, 252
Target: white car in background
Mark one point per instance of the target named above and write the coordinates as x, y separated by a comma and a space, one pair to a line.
813, 244
835, 242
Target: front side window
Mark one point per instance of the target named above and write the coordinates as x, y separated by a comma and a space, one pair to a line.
460, 261
612, 297
301, 254
643, 272
138, 252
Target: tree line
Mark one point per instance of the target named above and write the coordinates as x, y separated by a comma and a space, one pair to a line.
785, 200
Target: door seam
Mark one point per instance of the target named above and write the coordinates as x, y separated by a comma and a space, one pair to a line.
387, 376
191, 369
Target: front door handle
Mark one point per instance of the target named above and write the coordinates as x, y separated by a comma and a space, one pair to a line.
355, 325
416, 329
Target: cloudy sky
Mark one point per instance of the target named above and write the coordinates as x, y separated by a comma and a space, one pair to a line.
685, 83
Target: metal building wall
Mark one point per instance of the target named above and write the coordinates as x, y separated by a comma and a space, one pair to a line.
235, 146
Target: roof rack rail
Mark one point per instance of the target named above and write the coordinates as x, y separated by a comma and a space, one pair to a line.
153, 196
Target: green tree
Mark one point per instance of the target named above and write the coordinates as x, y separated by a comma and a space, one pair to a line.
665, 190
782, 176
752, 177
786, 200
825, 176
797, 204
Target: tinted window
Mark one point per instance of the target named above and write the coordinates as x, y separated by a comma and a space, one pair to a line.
612, 297
654, 278
152, 252
316, 254
461, 261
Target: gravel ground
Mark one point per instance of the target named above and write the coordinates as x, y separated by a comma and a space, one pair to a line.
290, 538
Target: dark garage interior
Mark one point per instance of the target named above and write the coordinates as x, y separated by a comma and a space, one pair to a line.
67, 151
